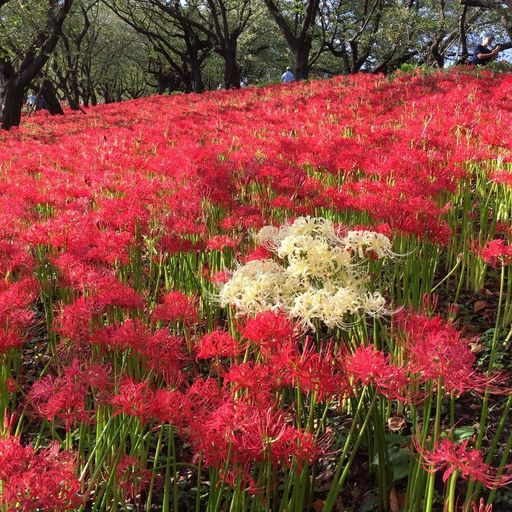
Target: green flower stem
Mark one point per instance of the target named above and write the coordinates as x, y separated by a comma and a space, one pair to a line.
451, 491
485, 402
4, 394
447, 276
155, 465
503, 461
437, 427
342, 468
198, 486
496, 438
415, 486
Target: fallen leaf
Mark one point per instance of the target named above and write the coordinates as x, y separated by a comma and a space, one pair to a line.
480, 305
488, 313
396, 423
339, 505
356, 493
475, 347
469, 329
394, 506
318, 505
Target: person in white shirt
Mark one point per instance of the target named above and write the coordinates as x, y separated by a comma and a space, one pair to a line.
288, 77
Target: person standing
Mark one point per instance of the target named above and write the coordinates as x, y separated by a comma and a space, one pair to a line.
288, 77
31, 101
482, 55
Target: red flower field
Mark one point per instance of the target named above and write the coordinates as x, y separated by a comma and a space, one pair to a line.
289, 298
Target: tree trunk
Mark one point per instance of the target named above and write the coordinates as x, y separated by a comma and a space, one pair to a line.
185, 78
163, 83
192, 59
14, 81
93, 97
73, 104
70, 97
196, 75
232, 71
50, 98
11, 97
301, 58
74, 96
11, 101
298, 38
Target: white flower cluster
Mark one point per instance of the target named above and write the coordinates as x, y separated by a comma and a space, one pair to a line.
316, 276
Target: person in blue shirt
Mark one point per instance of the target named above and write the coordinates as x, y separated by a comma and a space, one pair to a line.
288, 77
482, 54
31, 101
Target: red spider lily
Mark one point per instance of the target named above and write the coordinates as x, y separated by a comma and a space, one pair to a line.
502, 177
98, 246
13, 456
130, 334
124, 214
172, 244
312, 371
176, 306
203, 397
160, 351
503, 228
448, 457
219, 242
403, 166
135, 399
240, 476
220, 277
15, 317
10, 340
165, 354
80, 235
372, 367
248, 434
269, 331
481, 507
77, 274
162, 405
435, 350
283, 201
260, 253
260, 380
11, 385
217, 344
497, 252
170, 407
111, 292
33, 480
130, 477
244, 217
65, 397
15, 258
74, 320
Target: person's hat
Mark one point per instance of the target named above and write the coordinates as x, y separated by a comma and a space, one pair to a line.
288, 68
488, 35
